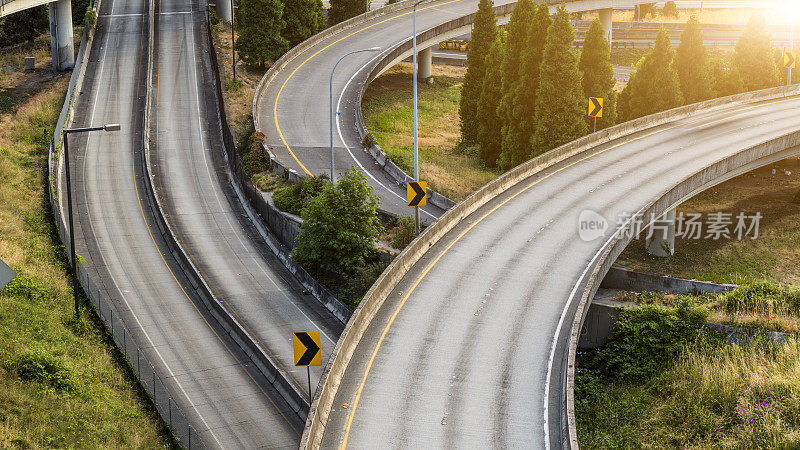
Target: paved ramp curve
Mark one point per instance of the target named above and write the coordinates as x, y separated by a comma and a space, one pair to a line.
468, 338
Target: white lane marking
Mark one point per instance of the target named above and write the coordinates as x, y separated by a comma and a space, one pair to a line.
339, 130
102, 257
561, 322
219, 202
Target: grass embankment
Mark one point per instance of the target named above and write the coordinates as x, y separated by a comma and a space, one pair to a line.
713, 396
387, 109
773, 256
763, 305
62, 383
665, 381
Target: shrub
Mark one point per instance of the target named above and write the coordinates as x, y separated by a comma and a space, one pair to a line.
340, 226
41, 367
368, 141
762, 297
403, 234
645, 339
293, 198
91, 17
256, 160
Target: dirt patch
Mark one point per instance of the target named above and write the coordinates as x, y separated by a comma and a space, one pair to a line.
240, 92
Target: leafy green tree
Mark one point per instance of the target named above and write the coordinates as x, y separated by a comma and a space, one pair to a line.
691, 62
490, 134
598, 74
303, 19
484, 33
24, 26
342, 10
516, 40
753, 57
519, 121
340, 226
560, 103
260, 26
656, 86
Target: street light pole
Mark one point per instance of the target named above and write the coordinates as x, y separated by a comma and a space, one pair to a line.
72, 258
371, 49
416, 123
233, 40
791, 50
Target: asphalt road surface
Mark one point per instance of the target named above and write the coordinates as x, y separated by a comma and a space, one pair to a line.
226, 401
203, 208
470, 352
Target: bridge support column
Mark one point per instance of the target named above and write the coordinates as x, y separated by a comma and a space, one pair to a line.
606, 18
424, 64
661, 236
223, 9
61, 45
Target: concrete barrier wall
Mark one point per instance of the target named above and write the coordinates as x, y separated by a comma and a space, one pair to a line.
373, 300
629, 280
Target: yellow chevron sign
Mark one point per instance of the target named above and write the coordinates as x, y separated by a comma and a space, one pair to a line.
595, 107
790, 60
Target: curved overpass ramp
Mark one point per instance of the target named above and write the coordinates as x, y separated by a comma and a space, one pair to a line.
468, 339
291, 102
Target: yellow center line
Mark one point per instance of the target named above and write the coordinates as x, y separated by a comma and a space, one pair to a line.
275, 108
430, 266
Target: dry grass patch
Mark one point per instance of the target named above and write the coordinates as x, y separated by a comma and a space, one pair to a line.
773, 256
388, 114
240, 92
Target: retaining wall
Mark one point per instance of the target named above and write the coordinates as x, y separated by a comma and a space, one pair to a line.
623, 278
373, 300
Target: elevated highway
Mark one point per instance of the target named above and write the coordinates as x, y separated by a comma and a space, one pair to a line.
228, 401
468, 338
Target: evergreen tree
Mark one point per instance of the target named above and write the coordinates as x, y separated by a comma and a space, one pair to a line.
598, 75
753, 56
560, 103
656, 86
516, 40
691, 62
303, 19
484, 33
260, 24
342, 10
490, 134
624, 99
520, 125
725, 81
